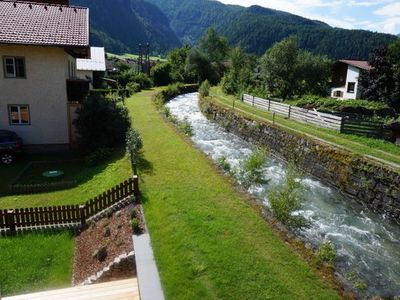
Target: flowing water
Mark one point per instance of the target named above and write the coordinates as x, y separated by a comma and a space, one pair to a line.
368, 246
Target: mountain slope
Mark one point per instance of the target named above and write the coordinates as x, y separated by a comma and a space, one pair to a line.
120, 25
256, 28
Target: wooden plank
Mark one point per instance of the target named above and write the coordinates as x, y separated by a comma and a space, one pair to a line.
122, 289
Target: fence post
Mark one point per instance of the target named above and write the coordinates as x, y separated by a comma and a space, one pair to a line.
10, 221
253, 101
135, 185
83, 216
290, 109
342, 125
269, 105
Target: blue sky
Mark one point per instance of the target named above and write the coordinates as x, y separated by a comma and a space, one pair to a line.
382, 16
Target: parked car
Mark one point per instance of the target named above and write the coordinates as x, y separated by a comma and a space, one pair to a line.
10, 146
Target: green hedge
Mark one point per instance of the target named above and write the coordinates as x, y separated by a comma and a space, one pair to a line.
358, 106
174, 90
121, 92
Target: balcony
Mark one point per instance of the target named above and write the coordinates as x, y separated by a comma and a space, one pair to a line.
77, 90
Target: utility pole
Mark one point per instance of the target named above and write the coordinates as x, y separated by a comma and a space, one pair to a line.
140, 59
148, 58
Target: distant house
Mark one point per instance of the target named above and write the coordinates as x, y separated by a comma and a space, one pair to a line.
345, 78
92, 68
40, 91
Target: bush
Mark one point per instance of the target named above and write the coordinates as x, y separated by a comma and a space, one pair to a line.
204, 89
170, 92
143, 80
101, 123
105, 92
133, 87
134, 144
223, 164
186, 127
97, 156
131, 75
136, 226
162, 74
167, 111
251, 169
326, 254
346, 106
289, 199
357, 281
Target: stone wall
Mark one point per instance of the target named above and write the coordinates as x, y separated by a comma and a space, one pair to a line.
373, 184
123, 267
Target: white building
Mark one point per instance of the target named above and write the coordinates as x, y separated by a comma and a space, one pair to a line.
38, 84
345, 78
92, 68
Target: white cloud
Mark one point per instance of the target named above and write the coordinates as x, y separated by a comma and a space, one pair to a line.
391, 17
390, 10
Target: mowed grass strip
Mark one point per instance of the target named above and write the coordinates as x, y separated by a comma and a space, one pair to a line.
209, 243
359, 145
32, 262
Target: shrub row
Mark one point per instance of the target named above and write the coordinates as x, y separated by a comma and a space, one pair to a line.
172, 91
362, 107
104, 92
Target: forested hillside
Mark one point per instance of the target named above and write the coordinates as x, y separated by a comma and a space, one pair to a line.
257, 29
120, 25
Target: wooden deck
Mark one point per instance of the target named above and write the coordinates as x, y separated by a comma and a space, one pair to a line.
115, 290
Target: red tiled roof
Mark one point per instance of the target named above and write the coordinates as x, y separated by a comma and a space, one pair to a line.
43, 24
362, 64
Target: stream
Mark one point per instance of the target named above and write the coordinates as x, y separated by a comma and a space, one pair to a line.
367, 245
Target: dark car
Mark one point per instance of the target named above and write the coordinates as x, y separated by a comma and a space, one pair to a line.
10, 146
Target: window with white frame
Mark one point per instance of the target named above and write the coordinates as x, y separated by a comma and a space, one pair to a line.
14, 67
18, 114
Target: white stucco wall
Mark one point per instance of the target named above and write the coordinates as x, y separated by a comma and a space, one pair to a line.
44, 90
353, 74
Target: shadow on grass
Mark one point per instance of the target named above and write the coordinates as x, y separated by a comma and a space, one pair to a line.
145, 166
29, 169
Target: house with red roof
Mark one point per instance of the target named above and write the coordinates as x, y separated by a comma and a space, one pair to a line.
40, 42
345, 78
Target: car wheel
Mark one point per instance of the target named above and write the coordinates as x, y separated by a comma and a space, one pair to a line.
7, 158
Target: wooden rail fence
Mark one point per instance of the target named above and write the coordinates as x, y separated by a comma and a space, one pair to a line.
296, 113
13, 219
360, 126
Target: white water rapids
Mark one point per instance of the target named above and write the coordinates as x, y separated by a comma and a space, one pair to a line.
367, 245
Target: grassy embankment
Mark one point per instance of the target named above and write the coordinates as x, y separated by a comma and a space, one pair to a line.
379, 149
209, 242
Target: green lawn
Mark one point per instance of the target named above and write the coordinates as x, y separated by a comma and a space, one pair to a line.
209, 243
92, 182
133, 56
32, 262
33, 174
378, 149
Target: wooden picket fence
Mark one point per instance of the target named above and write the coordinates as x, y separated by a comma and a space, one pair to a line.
296, 113
12, 220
